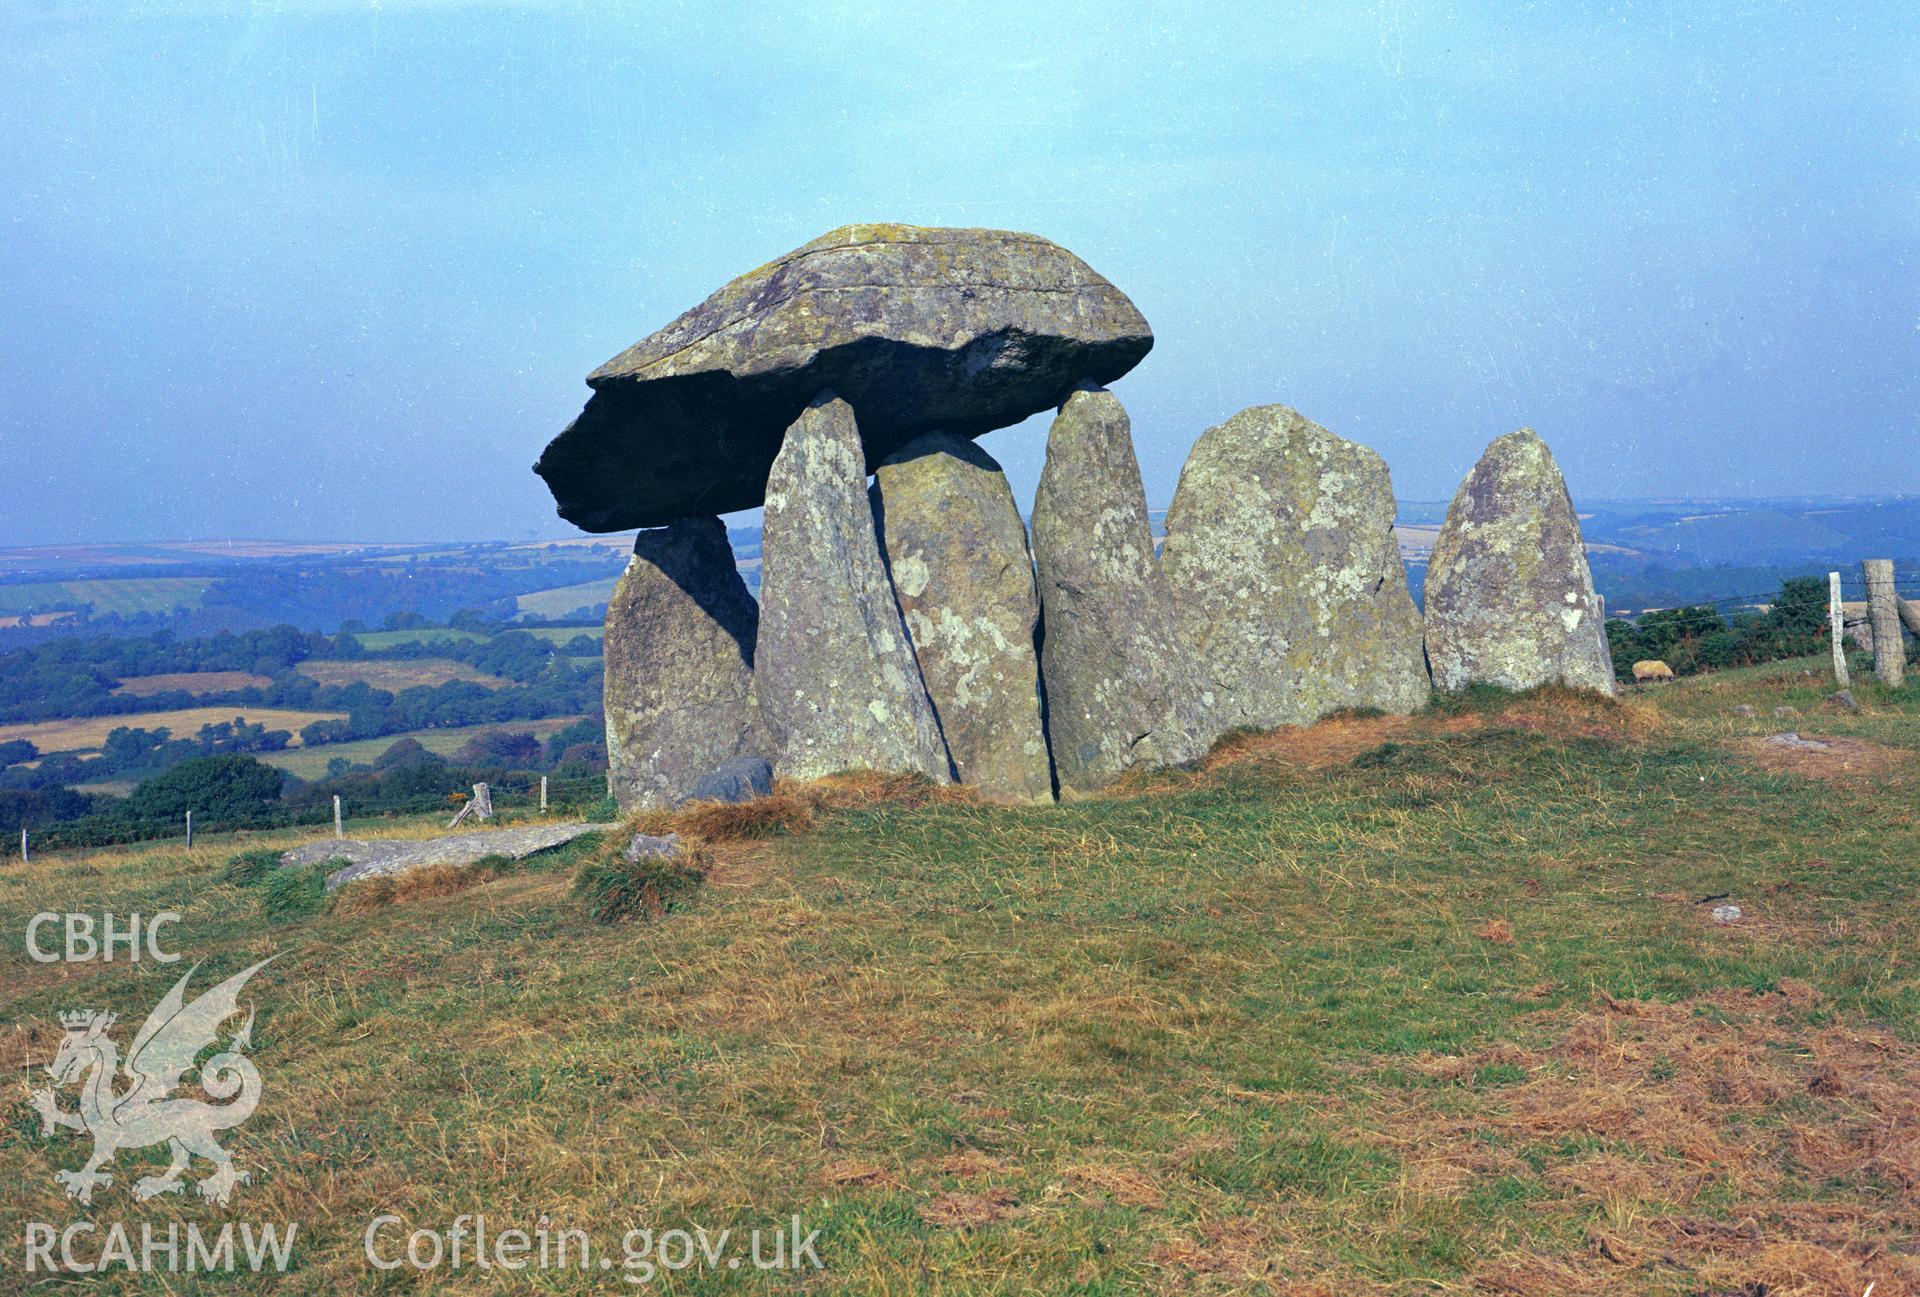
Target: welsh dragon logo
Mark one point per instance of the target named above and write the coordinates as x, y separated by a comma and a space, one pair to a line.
148, 1112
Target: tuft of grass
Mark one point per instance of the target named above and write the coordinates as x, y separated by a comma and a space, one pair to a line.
614, 888
296, 891
1476, 699
249, 867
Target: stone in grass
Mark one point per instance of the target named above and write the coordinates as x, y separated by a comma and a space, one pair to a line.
378, 857
1843, 700
645, 845
740, 780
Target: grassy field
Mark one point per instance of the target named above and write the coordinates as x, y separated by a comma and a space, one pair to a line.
396, 675
87, 733
562, 600
125, 595
1385, 1006
194, 682
311, 763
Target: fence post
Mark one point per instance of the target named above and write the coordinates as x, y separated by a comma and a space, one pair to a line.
1889, 654
25, 859
543, 794
189, 830
1837, 630
337, 830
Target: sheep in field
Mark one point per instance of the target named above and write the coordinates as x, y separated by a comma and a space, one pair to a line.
1651, 669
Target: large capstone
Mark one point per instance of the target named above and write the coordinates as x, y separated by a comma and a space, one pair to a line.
1120, 690
679, 664
919, 329
1509, 598
957, 552
838, 685
1288, 589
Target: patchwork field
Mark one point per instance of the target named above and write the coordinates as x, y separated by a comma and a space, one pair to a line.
395, 676
87, 733
311, 763
193, 682
1386, 1006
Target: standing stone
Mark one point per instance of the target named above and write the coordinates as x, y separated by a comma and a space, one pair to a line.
838, 685
679, 664
1509, 597
1120, 692
957, 552
1288, 588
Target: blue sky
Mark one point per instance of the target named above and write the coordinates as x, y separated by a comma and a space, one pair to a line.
324, 270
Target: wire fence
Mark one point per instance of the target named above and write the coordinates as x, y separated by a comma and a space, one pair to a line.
1853, 589
513, 794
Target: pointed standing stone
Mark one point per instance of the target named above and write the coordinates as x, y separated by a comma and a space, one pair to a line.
1120, 692
957, 552
838, 685
1509, 595
1287, 583
679, 664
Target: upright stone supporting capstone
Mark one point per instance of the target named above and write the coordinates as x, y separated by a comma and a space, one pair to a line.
1287, 584
679, 664
1120, 691
1509, 596
957, 553
838, 685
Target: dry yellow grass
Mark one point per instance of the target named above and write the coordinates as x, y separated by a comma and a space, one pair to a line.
396, 675
87, 733
1251, 1031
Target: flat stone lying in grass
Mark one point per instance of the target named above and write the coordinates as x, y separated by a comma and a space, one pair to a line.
376, 857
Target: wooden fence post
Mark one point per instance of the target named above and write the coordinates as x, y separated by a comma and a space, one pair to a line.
1837, 631
338, 832
543, 794
189, 830
25, 859
1883, 611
